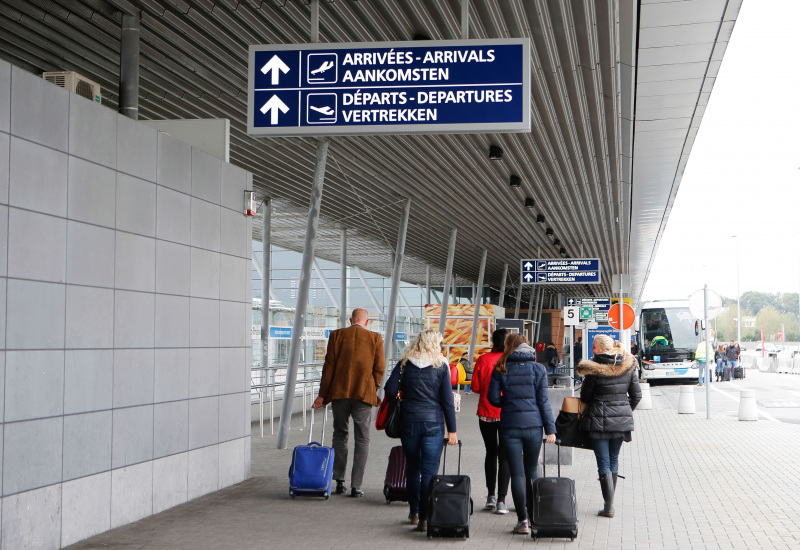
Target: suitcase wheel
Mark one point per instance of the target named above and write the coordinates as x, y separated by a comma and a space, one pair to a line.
327, 496
291, 495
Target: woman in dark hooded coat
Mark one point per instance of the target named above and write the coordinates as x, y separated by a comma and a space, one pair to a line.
611, 392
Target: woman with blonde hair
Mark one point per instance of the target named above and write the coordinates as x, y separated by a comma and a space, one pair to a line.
423, 377
519, 388
611, 392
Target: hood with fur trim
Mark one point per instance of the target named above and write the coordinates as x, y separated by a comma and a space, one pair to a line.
607, 369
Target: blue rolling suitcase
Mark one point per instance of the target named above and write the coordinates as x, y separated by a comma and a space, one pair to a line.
312, 466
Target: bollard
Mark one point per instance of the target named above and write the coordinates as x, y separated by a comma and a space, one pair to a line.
647, 401
747, 405
686, 403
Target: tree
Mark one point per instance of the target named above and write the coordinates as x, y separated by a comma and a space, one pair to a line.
772, 321
753, 302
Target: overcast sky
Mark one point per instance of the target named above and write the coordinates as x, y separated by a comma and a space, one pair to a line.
743, 176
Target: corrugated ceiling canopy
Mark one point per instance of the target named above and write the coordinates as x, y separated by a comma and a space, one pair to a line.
575, 163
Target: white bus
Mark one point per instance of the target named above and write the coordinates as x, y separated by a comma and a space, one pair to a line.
668, 337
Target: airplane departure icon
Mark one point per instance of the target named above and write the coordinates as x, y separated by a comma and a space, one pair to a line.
324, 110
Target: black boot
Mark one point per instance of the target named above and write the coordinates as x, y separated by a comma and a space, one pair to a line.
615, 475
607, 487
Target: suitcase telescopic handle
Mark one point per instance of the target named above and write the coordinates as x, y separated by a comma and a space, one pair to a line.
324, 422
444, 457
544, 457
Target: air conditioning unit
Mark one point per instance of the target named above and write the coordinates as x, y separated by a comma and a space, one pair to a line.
75, 83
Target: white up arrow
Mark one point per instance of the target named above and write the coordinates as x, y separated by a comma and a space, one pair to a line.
276, 66
528, 266
274, 104
528, 276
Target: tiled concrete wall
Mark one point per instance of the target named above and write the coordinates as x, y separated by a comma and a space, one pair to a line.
124, 318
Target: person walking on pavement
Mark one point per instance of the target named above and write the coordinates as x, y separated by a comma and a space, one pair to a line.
351, 376
611, 392
467, 370
551, 358
732, 355
702, 362
422, 374
719, 359
577, 350
519, 388
495, 464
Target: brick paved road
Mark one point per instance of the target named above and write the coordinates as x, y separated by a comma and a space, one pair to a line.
691, 483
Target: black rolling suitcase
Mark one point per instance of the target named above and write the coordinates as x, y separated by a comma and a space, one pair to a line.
449, 502
726, 374
394, 484
738, 373
552, 504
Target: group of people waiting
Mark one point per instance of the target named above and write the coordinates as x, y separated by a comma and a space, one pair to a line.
514, 412
726, 359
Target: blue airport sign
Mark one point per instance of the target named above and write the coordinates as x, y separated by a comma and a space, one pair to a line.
389, 88
560, 271
592, 332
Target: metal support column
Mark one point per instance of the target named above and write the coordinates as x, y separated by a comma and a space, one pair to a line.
519, 297
324, 280
475, 315
314, 21
455, 290
260, 271
369, 291
539, 315
406, 305
397, 272
530, 305
464, 19
302, 294
129, 67
427, 284
343, 280
448, 273
266, 240
503, 286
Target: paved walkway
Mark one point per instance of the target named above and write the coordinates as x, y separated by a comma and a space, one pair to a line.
690, 483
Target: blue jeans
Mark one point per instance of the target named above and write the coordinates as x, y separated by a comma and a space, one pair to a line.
701, 378
606, 451
422, 443
720, 367
522, 447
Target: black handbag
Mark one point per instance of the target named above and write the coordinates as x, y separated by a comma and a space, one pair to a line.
569, 433
392, 425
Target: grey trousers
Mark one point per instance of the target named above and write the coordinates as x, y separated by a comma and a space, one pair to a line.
361, 412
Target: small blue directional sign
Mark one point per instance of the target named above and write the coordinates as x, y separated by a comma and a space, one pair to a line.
389, 88
561, 271
597, 304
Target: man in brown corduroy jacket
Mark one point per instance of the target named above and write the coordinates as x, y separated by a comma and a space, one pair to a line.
351, 376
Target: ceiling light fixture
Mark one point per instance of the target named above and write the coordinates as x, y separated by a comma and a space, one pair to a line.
516, 181
539, 219
563, 252
529, 202
495, 152
556, 242
548, 232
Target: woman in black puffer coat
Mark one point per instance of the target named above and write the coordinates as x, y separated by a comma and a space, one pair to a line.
610, 391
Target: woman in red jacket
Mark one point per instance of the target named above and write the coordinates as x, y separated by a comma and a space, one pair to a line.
489, 422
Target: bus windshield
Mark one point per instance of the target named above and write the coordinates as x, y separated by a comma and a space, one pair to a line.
668, 329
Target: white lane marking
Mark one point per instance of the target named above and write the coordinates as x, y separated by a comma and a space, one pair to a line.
734, 398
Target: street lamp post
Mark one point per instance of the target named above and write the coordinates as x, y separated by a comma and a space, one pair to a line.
738, 297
